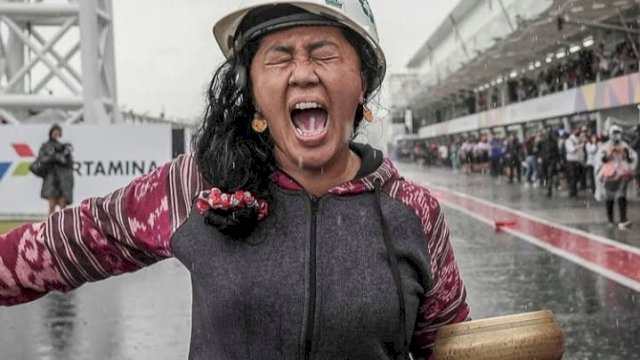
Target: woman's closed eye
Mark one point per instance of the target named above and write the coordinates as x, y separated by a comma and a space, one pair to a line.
280, 59
324, 54
325, 58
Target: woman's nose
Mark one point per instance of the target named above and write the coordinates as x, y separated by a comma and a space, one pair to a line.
304, 74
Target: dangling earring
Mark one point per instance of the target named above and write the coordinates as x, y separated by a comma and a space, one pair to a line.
258, 124
368, 114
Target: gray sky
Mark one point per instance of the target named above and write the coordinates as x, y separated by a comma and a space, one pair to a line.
166, 54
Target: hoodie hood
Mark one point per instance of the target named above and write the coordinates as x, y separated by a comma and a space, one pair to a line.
374, 167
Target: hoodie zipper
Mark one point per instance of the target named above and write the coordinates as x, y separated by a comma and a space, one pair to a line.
308, 340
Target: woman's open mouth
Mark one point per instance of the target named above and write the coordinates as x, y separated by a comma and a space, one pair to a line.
310, 121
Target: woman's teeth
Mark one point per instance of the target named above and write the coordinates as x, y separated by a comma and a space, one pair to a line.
307, 105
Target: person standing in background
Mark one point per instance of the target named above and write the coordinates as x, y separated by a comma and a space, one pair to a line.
482, 150
531, 152
585, 134
574, 148
443, 155
514, 158
615, 168
591, 148
635, 145
454, 156
57, 181
549, 157
466, 155
496, 155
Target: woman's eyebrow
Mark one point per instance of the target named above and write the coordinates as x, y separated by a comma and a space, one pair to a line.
287, 49
319, 44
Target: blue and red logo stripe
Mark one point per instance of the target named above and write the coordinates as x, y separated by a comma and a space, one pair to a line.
22, 169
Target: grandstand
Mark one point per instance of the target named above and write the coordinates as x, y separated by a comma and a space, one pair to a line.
497, 66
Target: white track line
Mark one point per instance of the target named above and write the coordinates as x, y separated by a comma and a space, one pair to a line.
620, 279
601, 239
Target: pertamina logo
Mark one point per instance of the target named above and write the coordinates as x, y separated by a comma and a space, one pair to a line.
26, 156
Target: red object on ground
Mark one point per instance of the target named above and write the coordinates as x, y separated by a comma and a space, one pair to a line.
502, 223
616, 261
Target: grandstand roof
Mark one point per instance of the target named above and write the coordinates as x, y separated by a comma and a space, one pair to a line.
459, 12
528, 41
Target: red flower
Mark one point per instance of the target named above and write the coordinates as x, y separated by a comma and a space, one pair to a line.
214, 195
248, 198
238, 197
263, 210
216, 199
202, 205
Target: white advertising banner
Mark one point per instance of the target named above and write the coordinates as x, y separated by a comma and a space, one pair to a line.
427, 132
554, 105
610, 94
105, 159
467, 123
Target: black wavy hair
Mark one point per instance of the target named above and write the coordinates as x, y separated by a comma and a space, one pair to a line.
230, 155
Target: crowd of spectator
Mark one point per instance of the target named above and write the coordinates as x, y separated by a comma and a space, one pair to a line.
588, 65
546, 158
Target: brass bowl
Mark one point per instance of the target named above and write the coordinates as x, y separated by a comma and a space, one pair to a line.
533, 335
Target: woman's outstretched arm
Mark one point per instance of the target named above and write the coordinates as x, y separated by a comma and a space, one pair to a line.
121, 232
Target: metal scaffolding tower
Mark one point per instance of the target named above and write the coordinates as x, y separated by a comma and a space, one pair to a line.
57, 55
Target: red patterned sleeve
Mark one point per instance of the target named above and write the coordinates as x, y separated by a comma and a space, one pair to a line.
121, 232
445, 301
